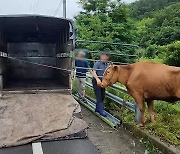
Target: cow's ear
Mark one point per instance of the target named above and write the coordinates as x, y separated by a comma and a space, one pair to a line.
111, 63
115, 67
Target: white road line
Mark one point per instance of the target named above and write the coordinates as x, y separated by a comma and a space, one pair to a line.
37, 148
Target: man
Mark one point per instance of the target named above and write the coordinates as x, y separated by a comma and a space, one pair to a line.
98, 71
81, 68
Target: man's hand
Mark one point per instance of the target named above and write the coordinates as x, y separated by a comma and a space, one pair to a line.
96, 77
98, 82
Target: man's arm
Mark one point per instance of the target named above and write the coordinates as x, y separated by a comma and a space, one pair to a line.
93, 73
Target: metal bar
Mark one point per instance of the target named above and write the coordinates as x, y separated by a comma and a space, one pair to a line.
93, 60
1, 82
111, 53
89, 68
64, 8
107, 120
118, 100
131, 106
114, 86
93, 104
99, 42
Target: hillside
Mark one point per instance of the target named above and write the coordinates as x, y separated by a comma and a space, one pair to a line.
145, 8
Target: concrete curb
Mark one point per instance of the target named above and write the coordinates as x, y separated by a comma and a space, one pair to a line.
162, 146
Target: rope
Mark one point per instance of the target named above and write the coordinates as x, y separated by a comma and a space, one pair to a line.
48, 66
44, 65
5, 55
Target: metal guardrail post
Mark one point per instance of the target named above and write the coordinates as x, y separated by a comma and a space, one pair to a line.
1, 82
1, 85
137, 113
1, 69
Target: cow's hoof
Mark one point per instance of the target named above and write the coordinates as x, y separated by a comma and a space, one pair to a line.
140, 125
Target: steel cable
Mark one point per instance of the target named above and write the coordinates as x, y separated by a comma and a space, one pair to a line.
58, 8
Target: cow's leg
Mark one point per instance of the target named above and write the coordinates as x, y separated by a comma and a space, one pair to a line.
140, 101
150, 105
178, 94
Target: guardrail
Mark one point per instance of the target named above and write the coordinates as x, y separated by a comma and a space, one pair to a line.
132, 106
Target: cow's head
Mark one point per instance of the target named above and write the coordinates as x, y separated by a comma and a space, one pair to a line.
110, 75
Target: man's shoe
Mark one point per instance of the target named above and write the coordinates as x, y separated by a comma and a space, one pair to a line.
103, 113
100, 110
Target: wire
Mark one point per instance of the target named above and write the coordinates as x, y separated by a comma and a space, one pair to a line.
58, 8
31, 6
44, 65
36, 6
51, 8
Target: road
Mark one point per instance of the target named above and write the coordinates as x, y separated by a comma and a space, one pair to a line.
101, 139
108, 140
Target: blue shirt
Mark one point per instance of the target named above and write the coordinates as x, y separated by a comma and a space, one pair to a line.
102, 66
81, 72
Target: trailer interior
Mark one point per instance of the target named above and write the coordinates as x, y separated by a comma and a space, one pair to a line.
35, 39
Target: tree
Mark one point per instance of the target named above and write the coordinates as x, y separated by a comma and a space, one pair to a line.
145, 8
110, 23
171, 53
164, 28
95, 6
105, 20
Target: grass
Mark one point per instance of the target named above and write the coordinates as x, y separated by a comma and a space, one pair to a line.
156, 59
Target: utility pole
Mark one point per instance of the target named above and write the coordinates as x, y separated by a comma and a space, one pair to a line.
64, 8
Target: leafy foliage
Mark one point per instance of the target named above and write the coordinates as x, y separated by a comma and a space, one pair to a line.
145, 8
171, 53
150, 51
104, 20
164, 28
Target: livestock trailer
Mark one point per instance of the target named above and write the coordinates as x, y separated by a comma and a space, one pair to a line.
39, 50
36, 54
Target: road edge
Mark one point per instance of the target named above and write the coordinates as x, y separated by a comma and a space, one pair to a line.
155, 141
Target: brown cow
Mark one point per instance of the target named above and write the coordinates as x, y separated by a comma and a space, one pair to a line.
146, 81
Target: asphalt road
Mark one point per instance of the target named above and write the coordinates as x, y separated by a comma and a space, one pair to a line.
108, 140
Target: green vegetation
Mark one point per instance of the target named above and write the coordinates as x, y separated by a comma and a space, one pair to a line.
158, 29
152, 24
106, 20
170, 53
162, 28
